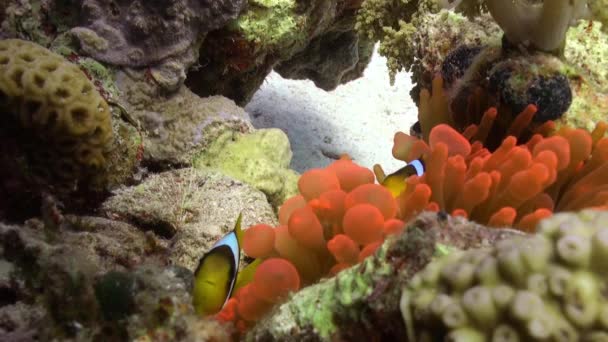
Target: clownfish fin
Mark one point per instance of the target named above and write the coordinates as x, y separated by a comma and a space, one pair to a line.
246, 275
379, 173
238, 230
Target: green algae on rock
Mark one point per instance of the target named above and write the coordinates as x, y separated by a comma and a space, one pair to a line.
260, 158
270, 23
362, 302
587, 53
236, 59
180, 123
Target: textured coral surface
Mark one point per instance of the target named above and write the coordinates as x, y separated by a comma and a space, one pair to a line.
62, 121
140, 33
551, 286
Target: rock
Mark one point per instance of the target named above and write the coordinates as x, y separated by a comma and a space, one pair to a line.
55, 268
222, 47
362, 302
193, 207
138, 33
91, 278
17, 321
260, 159
335, 57
236, 59
177, 124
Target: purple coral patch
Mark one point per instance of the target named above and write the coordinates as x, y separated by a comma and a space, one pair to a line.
141, 33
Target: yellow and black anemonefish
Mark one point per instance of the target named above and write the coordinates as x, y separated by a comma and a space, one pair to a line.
217, 276
395, 182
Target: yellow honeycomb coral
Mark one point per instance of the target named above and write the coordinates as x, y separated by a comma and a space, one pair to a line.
64, 122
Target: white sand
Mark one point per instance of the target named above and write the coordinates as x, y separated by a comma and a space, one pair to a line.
359, 118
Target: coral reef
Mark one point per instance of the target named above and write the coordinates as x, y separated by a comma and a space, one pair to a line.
414, 36
501, 135
137, 33
362, 302
549, 286
58, 116
224, 51
260, 158
341, 217
193, 207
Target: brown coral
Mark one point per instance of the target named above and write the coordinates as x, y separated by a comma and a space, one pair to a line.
55, 113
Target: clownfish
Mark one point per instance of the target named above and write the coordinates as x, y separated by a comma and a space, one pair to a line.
395, 182
217, 276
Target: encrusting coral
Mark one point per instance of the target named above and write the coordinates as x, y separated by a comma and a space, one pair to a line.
138, 33
551, 286
55, 112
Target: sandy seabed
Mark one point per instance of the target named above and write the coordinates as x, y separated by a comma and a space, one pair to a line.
359, 118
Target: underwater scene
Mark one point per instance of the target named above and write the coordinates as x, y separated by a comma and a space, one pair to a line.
304, 170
